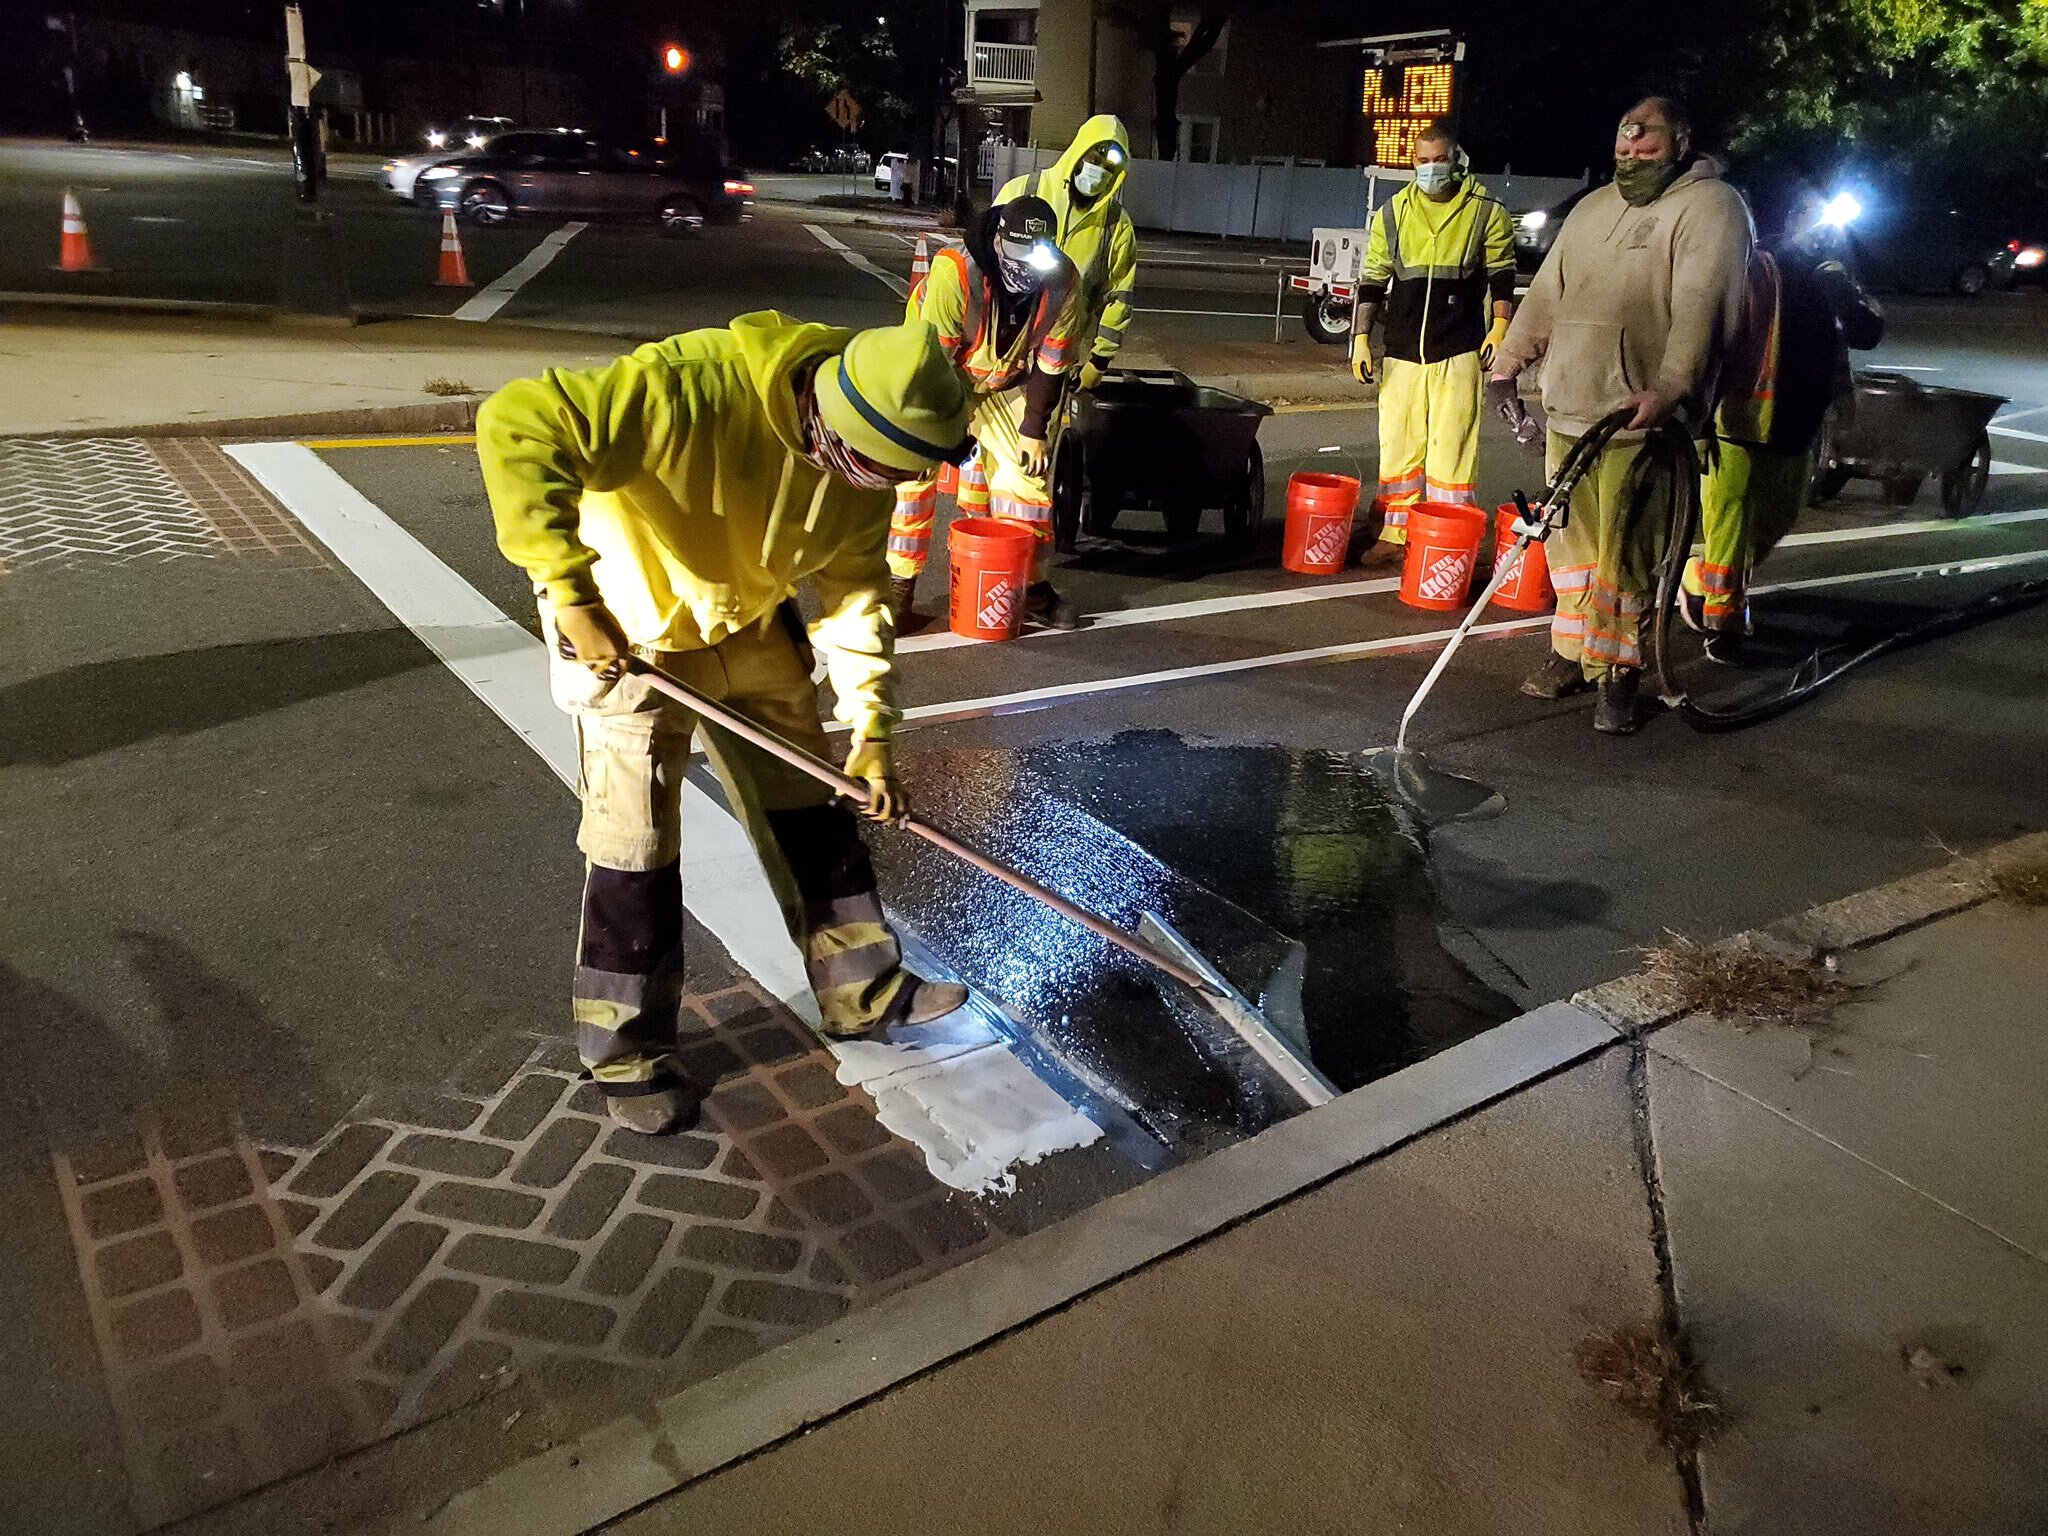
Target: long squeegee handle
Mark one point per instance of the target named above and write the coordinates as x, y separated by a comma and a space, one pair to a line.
853, 789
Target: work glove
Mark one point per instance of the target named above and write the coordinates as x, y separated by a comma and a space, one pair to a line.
1495, 335
1361, 358
874, 764
1091, 373
1506, 401
588, 634
1032, 457
1652, 408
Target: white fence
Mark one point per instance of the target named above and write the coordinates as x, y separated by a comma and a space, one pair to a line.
1003, 64
1270, 202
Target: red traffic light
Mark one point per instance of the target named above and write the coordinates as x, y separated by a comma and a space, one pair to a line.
675, 58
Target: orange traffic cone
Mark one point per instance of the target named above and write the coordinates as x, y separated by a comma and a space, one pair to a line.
74, 251
454, 269
920, 267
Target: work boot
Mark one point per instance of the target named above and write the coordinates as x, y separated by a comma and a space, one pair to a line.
902, 598
1043, 605
1557, 678
1615, 712
1383, 556
669, 1108
933, 1000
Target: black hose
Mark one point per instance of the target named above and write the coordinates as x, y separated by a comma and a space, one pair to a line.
1673, 444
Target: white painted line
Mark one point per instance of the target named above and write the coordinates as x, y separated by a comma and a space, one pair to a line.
2007, 467
2032, 437
1218, 314
832, 242
1906, 368
1922, 525
1162, 613
495, 295
974, 1114
2029, 410
1065, 693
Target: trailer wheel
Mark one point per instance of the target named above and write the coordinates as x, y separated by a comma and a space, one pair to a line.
1962, 488
1328, 319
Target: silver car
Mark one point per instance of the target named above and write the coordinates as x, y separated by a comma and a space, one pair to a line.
566, 174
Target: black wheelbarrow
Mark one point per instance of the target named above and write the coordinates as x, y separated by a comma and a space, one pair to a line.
1155, 439
1900, 432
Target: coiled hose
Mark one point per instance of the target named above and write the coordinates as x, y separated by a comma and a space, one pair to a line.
1670, 447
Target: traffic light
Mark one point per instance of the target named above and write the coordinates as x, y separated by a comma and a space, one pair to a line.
675, 58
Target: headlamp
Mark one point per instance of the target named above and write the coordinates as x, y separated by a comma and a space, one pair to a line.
1840, 211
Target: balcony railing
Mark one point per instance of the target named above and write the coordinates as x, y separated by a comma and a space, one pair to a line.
1002, 64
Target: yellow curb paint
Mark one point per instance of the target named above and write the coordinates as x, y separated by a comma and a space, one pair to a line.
387, 442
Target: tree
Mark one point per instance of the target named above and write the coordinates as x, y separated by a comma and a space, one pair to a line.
1176, 47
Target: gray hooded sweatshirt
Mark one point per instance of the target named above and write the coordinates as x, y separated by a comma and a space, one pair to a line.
1635, 298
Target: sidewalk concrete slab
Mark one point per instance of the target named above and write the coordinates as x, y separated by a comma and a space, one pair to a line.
1913, 1075
1392, 1351
1835, 1205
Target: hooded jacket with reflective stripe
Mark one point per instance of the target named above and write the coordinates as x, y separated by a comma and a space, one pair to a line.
956, 299
1434, 267
671, 484
1096, 234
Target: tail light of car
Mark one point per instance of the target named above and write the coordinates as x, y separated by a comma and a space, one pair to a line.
739, 189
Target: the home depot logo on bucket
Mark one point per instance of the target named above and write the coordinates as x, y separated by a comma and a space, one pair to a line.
1444, 572
1326, 541
995, 602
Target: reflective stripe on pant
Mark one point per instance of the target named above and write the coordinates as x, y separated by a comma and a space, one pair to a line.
910, 526
1429, 437
1749, 499
635, 750
1599, 615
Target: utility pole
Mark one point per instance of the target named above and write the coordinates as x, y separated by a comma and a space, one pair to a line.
312, 282
306, 162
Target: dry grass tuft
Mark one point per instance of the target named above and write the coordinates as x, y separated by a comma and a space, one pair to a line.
448, 387
1740, 983
2024, 885
1648, 1374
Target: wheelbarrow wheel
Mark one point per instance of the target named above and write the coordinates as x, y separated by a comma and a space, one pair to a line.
1100, 507
1830, 477
1901, 490
1962, 488
1069, 482
1246, 509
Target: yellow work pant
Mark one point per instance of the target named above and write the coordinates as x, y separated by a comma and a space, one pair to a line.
1429, 437
1749, 499
634, 750
992, 484
1603, 561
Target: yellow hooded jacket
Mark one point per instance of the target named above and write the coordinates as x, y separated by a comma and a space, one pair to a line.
1096, 235
671, 485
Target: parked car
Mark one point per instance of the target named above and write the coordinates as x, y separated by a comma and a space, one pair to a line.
894, 158
2022, 262
466, 133
1922, 248
1536, 231
568, 173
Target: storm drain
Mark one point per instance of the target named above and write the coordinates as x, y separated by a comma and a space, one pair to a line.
258, 1311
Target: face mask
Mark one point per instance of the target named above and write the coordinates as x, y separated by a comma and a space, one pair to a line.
1437, 176
1017, 274
1643, 181
830, 453
1090, 178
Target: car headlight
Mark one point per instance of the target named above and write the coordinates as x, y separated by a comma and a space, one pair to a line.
439, 173
1534, 220
2032, 256
436, 138
475, 141
390, 166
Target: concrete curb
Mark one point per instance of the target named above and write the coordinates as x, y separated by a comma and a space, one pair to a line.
103, 303
618, 1466
456, 414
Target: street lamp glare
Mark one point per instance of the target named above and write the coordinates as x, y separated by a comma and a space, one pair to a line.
675, 59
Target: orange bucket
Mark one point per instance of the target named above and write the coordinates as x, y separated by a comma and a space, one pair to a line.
1527, 588
1319, 512
991, 566
1443, 551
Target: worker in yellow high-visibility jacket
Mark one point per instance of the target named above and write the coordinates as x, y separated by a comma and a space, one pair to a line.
1006, 309
1440, 260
